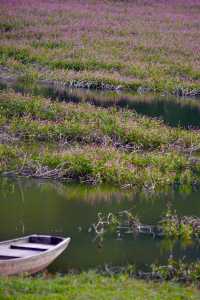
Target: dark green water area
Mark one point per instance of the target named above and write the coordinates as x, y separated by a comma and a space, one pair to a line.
174, 111
39, 206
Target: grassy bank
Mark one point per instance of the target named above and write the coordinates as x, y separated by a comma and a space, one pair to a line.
81, 142
92, 286
39, 119
104, 45
100, 165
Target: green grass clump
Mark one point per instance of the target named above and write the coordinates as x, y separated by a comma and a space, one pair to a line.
92, 286
8, 158
19, 54
87, 65
7, 25
101, 165
37, 118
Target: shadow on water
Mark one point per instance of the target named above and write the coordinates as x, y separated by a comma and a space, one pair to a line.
184, 112
33, 206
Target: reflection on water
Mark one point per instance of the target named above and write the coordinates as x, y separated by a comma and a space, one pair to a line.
34, 206
174, 111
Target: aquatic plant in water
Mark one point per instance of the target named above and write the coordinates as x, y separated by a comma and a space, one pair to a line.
180, 226
170, 226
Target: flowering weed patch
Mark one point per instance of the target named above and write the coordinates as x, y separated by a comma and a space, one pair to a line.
151, 44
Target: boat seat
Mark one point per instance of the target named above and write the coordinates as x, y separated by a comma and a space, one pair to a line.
31, 246
16, 253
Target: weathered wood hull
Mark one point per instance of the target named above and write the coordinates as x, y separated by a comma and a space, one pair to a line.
33, 263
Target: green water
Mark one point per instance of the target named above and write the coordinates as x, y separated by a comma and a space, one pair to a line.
184, 112
32, 206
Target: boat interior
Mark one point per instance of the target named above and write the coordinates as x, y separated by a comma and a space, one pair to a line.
28, 246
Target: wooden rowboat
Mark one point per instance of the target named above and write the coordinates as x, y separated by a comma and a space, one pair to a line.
30, 254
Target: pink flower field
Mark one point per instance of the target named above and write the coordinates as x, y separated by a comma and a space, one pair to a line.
127, 43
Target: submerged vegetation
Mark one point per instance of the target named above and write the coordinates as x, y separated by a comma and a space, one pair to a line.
170, 226
104, 45
90, 144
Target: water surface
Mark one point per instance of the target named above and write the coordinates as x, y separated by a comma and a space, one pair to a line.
34, 206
